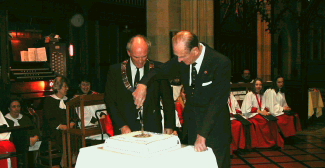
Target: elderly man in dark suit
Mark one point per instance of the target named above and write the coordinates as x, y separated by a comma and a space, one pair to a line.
122, 79
205, 74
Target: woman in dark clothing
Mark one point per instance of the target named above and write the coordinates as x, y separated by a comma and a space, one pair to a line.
55, 112
22, 120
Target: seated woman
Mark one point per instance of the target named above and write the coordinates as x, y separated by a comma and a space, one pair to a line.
22, 120
6, 146
85, 87
288, 121
237, 128
90, 111
55, 112
254, 109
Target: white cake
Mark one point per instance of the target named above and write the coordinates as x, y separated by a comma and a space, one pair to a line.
145, 147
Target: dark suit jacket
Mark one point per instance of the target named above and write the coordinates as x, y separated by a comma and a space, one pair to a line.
53, 116
120, 103
210, 101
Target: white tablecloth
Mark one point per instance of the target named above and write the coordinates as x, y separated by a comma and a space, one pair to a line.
96, 157
315, 102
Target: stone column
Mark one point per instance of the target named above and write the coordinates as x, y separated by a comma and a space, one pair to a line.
163, 16
198, 17
264, 56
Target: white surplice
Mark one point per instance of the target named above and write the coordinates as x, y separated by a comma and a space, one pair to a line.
234, 105
251, 101
275, 102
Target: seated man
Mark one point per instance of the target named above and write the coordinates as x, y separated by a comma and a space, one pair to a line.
246, 77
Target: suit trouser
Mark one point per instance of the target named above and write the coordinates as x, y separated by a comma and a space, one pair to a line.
220, 149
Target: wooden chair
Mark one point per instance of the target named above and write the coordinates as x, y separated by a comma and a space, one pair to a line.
50, 157
76, 137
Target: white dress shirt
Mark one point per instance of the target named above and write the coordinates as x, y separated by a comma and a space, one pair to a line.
198, 62
134, 71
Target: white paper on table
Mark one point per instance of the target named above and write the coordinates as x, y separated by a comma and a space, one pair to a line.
35, 147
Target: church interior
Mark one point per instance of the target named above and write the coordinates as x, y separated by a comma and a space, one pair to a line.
266, 37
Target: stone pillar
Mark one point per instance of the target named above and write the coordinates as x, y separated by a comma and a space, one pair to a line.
163, 16
264, 56
198, 17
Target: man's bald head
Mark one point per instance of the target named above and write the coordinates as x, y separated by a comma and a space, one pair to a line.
138, 49
189, 39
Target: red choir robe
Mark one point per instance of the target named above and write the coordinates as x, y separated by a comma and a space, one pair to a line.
288, 124
6, 147
266, 132
237, 128
180, 109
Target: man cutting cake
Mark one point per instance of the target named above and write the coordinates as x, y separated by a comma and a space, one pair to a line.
205, 75
122, 79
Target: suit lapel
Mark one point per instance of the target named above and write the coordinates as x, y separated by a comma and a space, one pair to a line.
204, 67
128, 72
146, 67
186, 77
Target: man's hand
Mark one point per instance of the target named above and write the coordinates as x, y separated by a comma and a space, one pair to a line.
168, 131
200, 144
125, 129
33, 140
286, 108
139, 95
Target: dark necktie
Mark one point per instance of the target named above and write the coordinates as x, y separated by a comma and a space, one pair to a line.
137, 78
194, 73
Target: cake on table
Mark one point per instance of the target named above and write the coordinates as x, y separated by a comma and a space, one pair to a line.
145, 145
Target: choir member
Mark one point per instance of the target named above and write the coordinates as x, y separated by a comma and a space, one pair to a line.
237, 128
288, 121
254, 109
6, 146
